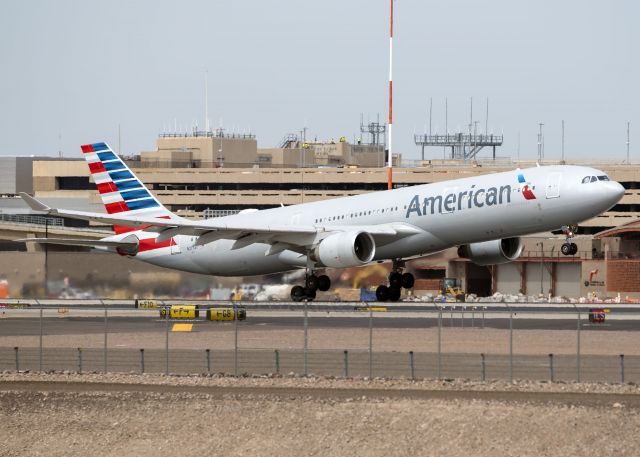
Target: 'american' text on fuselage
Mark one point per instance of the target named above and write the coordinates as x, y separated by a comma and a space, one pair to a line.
455, 201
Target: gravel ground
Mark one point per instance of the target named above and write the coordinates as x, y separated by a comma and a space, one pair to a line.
70, 414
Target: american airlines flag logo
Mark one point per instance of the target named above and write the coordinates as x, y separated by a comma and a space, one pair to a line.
526, 190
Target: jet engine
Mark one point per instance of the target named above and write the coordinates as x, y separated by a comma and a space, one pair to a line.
132, 248
492, 252
345, 249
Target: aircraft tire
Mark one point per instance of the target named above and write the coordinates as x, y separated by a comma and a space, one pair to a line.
566, 248
312, 282
324, 283
394, 293
574, 248
408, 280
382, 293
297, 293
309, 294
395, 280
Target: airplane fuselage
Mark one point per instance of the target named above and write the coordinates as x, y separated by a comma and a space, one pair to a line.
444, 214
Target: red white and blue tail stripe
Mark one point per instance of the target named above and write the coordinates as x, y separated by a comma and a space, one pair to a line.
120, 189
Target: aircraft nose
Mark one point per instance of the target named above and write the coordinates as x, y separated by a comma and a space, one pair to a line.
614, 191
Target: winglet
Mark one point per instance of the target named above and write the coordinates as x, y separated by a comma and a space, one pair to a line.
34, 204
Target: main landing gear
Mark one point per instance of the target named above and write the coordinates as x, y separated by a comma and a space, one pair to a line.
397, 281
567, 247
312, 284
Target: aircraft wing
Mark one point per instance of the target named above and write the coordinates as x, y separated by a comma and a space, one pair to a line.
290, 235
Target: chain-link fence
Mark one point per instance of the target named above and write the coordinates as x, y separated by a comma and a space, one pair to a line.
342, 341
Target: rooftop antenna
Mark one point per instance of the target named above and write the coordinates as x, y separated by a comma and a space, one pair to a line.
562, 140
390, 158
60, 146
206, 100
446, 116
486, 119
628, 128
430, 112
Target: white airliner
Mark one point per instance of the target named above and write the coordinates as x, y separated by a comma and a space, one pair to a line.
483, 215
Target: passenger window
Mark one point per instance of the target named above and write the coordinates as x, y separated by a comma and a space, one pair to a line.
586, 179
594, 179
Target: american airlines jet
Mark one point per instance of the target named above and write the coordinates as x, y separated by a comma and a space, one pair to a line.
483, 215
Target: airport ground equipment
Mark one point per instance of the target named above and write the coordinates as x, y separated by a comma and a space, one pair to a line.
226, 314
451, 288
180, 312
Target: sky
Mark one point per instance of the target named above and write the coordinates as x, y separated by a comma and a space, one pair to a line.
74, 72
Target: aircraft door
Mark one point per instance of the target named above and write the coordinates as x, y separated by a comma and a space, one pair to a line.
553, 185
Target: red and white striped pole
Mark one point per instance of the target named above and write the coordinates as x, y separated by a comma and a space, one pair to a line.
390, 158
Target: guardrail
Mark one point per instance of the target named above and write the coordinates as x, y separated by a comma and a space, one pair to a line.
499, 341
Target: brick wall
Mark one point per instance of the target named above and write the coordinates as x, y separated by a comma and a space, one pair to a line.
623, 276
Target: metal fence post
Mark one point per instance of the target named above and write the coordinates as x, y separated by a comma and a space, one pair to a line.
277, 355
370, 343
411, 367
551, 377
511, 347
306, 338
439, 357
106, 331
141, 360
483, 367
208, 355
346, 363
166, 340
578, 350
17, 359
79, 360
40, 341
235, 339
621, 368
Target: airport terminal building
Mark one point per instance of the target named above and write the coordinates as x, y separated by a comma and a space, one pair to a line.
212, 174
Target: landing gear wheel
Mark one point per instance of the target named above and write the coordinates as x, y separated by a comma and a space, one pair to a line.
566, 249
311, 282
394, 293
298, 293
310, 294
408, 280
382, 293
395, 280
574, 248
324, 283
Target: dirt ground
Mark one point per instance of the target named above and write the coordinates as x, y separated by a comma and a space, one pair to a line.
125, 415
454, 340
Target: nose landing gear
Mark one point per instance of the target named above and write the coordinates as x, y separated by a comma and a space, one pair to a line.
569, 248
397, 281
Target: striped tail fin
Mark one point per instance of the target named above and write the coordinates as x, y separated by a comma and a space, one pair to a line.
120, 189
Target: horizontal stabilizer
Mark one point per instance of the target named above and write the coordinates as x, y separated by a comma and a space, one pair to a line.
86, 243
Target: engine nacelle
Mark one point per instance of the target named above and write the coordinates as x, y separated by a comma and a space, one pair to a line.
133, 250
492, 252
345, 249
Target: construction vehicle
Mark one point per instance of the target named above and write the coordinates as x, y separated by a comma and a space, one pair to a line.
451, 289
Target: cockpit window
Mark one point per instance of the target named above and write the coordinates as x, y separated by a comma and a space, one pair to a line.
603, 178
594, 179
586, 179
